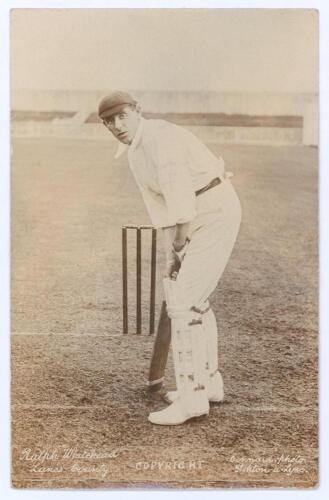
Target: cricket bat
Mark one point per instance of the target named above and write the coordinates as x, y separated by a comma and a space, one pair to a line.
160, 351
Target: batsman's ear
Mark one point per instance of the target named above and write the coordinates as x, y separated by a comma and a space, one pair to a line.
138, 108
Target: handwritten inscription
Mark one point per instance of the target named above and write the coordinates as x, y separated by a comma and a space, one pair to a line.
54, 461
284, 464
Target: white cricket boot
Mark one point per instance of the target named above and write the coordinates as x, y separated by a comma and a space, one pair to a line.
192, 400
214, 381
177, 413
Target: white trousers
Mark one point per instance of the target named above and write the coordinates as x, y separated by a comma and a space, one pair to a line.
213, 233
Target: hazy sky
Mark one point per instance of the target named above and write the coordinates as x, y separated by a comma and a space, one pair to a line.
225, 50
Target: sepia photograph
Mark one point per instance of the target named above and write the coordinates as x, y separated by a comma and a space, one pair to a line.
164, 248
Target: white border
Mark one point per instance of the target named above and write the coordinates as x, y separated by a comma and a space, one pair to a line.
6, 492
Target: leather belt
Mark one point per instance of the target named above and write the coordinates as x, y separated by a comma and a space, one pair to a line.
211, 184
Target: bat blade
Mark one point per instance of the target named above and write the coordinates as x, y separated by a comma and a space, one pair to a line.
160, 351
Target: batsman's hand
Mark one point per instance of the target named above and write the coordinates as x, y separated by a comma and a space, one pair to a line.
175, 260
172, 268
179, 255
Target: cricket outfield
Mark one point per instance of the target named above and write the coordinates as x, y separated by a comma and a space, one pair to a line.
79, 384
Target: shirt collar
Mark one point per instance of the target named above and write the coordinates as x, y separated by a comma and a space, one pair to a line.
123, 147
138, 135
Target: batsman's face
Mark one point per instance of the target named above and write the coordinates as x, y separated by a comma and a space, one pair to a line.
124, 124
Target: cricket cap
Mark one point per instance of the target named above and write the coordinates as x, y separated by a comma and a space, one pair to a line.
114, 103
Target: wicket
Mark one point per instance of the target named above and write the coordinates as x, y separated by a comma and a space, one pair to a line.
138, 230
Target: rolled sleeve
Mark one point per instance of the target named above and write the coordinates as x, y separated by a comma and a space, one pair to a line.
156, 207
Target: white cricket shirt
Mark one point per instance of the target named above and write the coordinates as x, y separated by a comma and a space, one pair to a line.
169, 164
